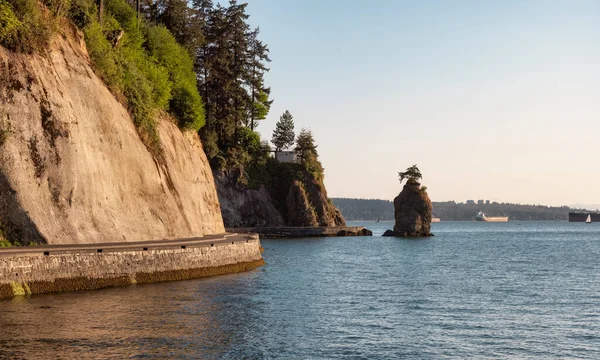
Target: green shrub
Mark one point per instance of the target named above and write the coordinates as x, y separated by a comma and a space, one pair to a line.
82, 12
103, 56
34, 28
123, 13
9, 22
186, 102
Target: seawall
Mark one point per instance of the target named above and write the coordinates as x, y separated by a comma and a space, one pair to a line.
38, 270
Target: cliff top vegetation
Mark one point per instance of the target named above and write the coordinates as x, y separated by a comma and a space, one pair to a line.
140, 61
411, 174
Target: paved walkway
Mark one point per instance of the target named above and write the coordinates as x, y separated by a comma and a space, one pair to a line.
209, 240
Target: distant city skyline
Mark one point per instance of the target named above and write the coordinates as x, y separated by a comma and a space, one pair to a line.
493, 100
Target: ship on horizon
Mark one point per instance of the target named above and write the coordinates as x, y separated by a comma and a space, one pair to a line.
584, 217
481, 217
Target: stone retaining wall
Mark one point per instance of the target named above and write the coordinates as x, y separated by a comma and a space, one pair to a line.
38, 274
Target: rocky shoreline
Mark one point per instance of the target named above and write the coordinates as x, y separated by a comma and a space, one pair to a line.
303, 232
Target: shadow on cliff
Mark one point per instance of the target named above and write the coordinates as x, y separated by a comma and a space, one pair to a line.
15, 223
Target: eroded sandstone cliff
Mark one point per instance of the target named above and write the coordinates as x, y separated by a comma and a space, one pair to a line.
73, 168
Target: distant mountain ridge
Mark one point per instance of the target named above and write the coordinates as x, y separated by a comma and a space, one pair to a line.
373, 209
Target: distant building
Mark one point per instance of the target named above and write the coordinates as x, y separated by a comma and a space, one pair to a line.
285, 156
479, 202
487, 202
470, 202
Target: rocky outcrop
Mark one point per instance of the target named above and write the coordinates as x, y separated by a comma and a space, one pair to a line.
242, 206
281, 232
73, 168
293, 201
412, 211
327, 214
299, 209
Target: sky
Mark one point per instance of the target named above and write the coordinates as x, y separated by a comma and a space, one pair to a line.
495, 100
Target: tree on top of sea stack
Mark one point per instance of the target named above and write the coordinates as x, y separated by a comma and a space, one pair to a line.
412, 207
412, 174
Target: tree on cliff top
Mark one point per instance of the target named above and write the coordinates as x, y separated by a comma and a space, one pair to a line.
283, 135
306, 153
412, 174
306, 149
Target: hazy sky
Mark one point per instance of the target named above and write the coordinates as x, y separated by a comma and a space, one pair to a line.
494, 100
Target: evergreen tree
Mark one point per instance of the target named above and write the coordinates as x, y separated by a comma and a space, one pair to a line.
283, 135
258, 55
306, 153
230, 68
230, 64
182, 22
412, 174
306, 150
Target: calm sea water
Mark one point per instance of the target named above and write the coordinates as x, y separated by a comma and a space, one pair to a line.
475, 290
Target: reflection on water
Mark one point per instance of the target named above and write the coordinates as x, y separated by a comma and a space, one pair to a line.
475, 290
164, 320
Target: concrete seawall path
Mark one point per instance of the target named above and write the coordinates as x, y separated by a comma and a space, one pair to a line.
54, 268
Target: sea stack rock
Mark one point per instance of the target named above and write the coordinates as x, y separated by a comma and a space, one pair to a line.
412, 211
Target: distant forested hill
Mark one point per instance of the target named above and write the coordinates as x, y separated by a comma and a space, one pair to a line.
371, 209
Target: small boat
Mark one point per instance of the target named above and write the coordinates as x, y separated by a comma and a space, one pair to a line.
589, 219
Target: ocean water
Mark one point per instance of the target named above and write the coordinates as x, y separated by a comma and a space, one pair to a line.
475, 290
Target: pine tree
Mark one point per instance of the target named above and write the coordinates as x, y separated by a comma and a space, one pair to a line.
258, 55
283, 135
306, 150
230, 64
182, 22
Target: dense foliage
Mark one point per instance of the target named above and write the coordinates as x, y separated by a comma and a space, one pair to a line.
229, 61
28, 25
306, 153
371, 209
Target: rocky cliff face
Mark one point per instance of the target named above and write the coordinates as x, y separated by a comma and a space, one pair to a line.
292, 201
73, 168
412, 211
244, 207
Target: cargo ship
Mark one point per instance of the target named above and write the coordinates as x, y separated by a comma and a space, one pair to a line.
582, 217
435, 219
481, 217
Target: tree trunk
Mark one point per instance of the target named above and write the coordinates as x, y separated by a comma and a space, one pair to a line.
100, 10
138, 13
